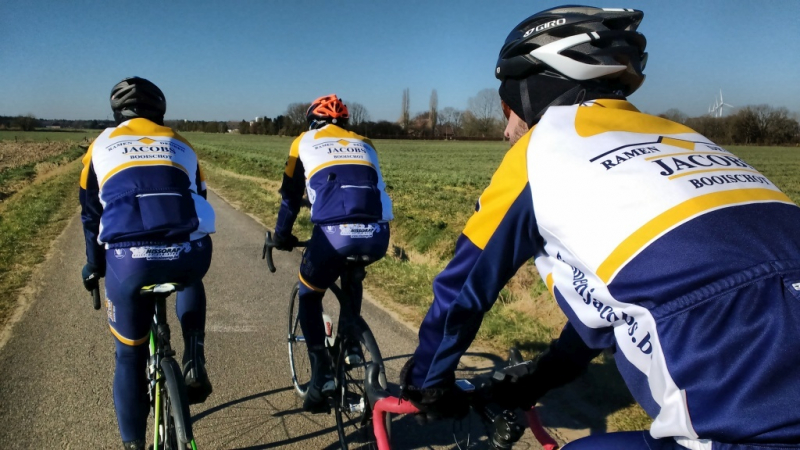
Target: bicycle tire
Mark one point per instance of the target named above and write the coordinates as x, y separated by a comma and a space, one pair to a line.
351, 406
299, 364
176, 418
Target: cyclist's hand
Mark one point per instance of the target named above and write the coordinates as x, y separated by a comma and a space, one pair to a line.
91, 277
556, 366
284, 243
522, 393
436, 402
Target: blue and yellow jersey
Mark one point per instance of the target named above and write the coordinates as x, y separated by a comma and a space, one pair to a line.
637, 225
339, 170
141, 184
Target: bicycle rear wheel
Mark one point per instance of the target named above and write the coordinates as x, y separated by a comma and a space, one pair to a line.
175, 429
299, 364
353, 412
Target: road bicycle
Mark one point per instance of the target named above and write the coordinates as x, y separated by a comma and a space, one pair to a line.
352, 348
172, 428
501, 425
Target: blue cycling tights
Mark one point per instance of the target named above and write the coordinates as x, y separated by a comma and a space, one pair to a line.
129, 316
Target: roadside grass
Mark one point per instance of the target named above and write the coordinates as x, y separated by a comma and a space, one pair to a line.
29, 221
39, 174
434, 187
20, 163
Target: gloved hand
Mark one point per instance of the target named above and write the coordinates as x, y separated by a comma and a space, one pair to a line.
434, 403
284, 243
91, 277
558, 365
522, 393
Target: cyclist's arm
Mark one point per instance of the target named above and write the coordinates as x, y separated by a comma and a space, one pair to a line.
386, 201
200, 182
291, 191
91, 210
499, 238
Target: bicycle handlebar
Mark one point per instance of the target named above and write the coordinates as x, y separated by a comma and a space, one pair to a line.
502, 425
269, 244
96, 298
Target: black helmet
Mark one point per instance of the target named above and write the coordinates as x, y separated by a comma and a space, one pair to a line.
136, 97
594, 48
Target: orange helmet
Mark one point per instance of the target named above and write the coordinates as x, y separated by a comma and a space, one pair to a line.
327, 109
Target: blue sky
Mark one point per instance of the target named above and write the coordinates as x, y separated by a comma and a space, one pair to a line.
233, 60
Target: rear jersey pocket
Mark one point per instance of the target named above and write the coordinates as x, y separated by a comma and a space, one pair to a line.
165, 211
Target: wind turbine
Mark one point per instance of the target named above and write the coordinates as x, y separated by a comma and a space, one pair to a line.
712, 109
722, 104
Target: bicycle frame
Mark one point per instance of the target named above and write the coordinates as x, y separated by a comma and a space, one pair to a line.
161, 351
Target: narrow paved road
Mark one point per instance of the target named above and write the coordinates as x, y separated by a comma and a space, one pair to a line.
56, 368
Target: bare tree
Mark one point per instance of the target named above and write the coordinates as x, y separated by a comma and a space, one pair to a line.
782, 127
358, 114
418, 125
674, 115
764, 124
451, 121
485, 115
405, 116
296, 113
433, 114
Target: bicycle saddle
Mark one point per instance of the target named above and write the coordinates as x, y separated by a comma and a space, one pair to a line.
160, 289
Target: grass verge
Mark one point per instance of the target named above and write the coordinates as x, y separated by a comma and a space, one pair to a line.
29, 221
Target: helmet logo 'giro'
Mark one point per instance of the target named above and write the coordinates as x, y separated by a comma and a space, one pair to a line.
544, 26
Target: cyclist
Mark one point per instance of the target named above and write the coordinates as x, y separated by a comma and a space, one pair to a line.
654, 241
350, 210
146, 221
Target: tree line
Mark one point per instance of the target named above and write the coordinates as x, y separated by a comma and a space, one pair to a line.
751, 125
483, 119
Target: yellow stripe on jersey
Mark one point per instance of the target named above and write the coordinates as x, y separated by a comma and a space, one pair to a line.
127, 341
127, 165
507, 183
688, 145
294, 153
668, 219
549, 282
343, 161
144, 127
333, 131
87, 161
618, 115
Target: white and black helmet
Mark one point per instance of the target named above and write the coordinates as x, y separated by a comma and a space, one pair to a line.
137, 97
580, 43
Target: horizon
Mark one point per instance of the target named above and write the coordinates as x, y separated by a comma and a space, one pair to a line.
222, 62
